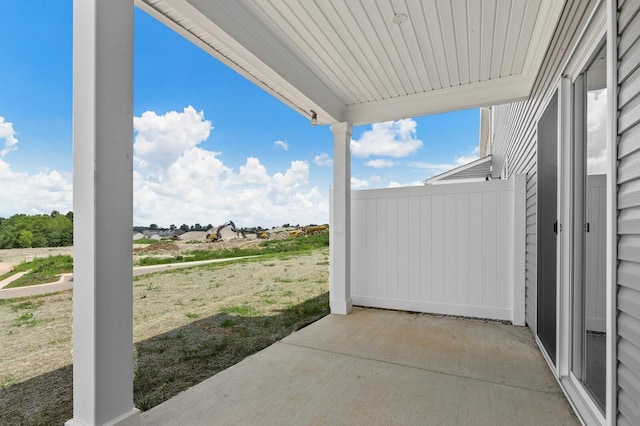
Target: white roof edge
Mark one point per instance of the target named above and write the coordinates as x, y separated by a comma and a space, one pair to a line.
457, 170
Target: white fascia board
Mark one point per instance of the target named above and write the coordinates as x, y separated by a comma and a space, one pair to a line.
279, 73
502, 90
541, 38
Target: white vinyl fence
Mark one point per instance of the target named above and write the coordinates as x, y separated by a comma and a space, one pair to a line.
449, 249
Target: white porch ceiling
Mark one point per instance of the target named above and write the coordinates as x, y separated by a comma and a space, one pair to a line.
348, 61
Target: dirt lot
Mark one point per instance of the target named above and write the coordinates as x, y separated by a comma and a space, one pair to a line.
16, 256
187, 326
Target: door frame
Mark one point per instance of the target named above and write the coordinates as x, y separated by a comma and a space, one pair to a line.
552, 359
600, 28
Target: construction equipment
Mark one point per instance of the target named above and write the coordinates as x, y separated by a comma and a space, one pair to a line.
315, 229
296, 233
261, 233
217, 236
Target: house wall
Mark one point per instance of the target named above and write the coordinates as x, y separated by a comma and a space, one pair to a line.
628, 274
445, 249
514, 132
478, 171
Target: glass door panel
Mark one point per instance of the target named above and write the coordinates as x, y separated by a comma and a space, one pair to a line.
589, 291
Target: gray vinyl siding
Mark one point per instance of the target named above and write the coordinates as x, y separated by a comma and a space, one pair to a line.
475, 172
514, 139
628, 276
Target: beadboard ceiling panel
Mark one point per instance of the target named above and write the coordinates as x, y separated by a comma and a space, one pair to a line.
349, 60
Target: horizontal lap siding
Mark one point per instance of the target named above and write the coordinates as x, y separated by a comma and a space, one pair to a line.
514, 140
444, 249
475, 172
628, 276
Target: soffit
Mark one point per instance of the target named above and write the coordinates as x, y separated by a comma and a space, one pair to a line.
348, 61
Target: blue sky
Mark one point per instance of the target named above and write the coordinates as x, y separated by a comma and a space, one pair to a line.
209, 146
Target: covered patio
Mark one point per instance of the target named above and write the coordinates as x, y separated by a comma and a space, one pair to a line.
382, 367
338, 64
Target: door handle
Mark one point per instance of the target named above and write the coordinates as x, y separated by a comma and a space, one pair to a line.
555, 227
587, 228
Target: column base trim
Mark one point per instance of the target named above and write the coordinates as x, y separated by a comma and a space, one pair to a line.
341, 307
131, 418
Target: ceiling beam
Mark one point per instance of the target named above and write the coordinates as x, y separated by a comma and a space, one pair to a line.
233, 24
474, 95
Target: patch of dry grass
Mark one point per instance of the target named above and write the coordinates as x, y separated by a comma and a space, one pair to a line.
189, 324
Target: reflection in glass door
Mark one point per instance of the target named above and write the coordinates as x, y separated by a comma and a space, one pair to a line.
589, 291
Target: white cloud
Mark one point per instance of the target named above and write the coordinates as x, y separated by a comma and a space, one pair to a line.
281, 145
433, 169
390, 139
161, 139
8, 134
380, 163
394, 184
22, 192
323, 160
194, 185
33, 194
253, 172
177, 181
467, 158
359, 183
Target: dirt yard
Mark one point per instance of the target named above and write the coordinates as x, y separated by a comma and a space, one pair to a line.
188, 325
16, 256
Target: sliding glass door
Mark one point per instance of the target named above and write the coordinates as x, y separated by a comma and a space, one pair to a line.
588, 360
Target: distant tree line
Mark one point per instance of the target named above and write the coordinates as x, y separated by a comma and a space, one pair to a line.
184, 227
41, 230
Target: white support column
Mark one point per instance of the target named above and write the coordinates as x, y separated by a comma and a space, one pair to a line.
103, 209
340, 247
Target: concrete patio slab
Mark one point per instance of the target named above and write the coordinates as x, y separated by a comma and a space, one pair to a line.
381, 367
485, 350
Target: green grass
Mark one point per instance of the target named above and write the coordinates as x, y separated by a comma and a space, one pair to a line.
167, 365
7, 382
287, 246
146, 241
241, 310
29, 304
25, 319
43, 270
